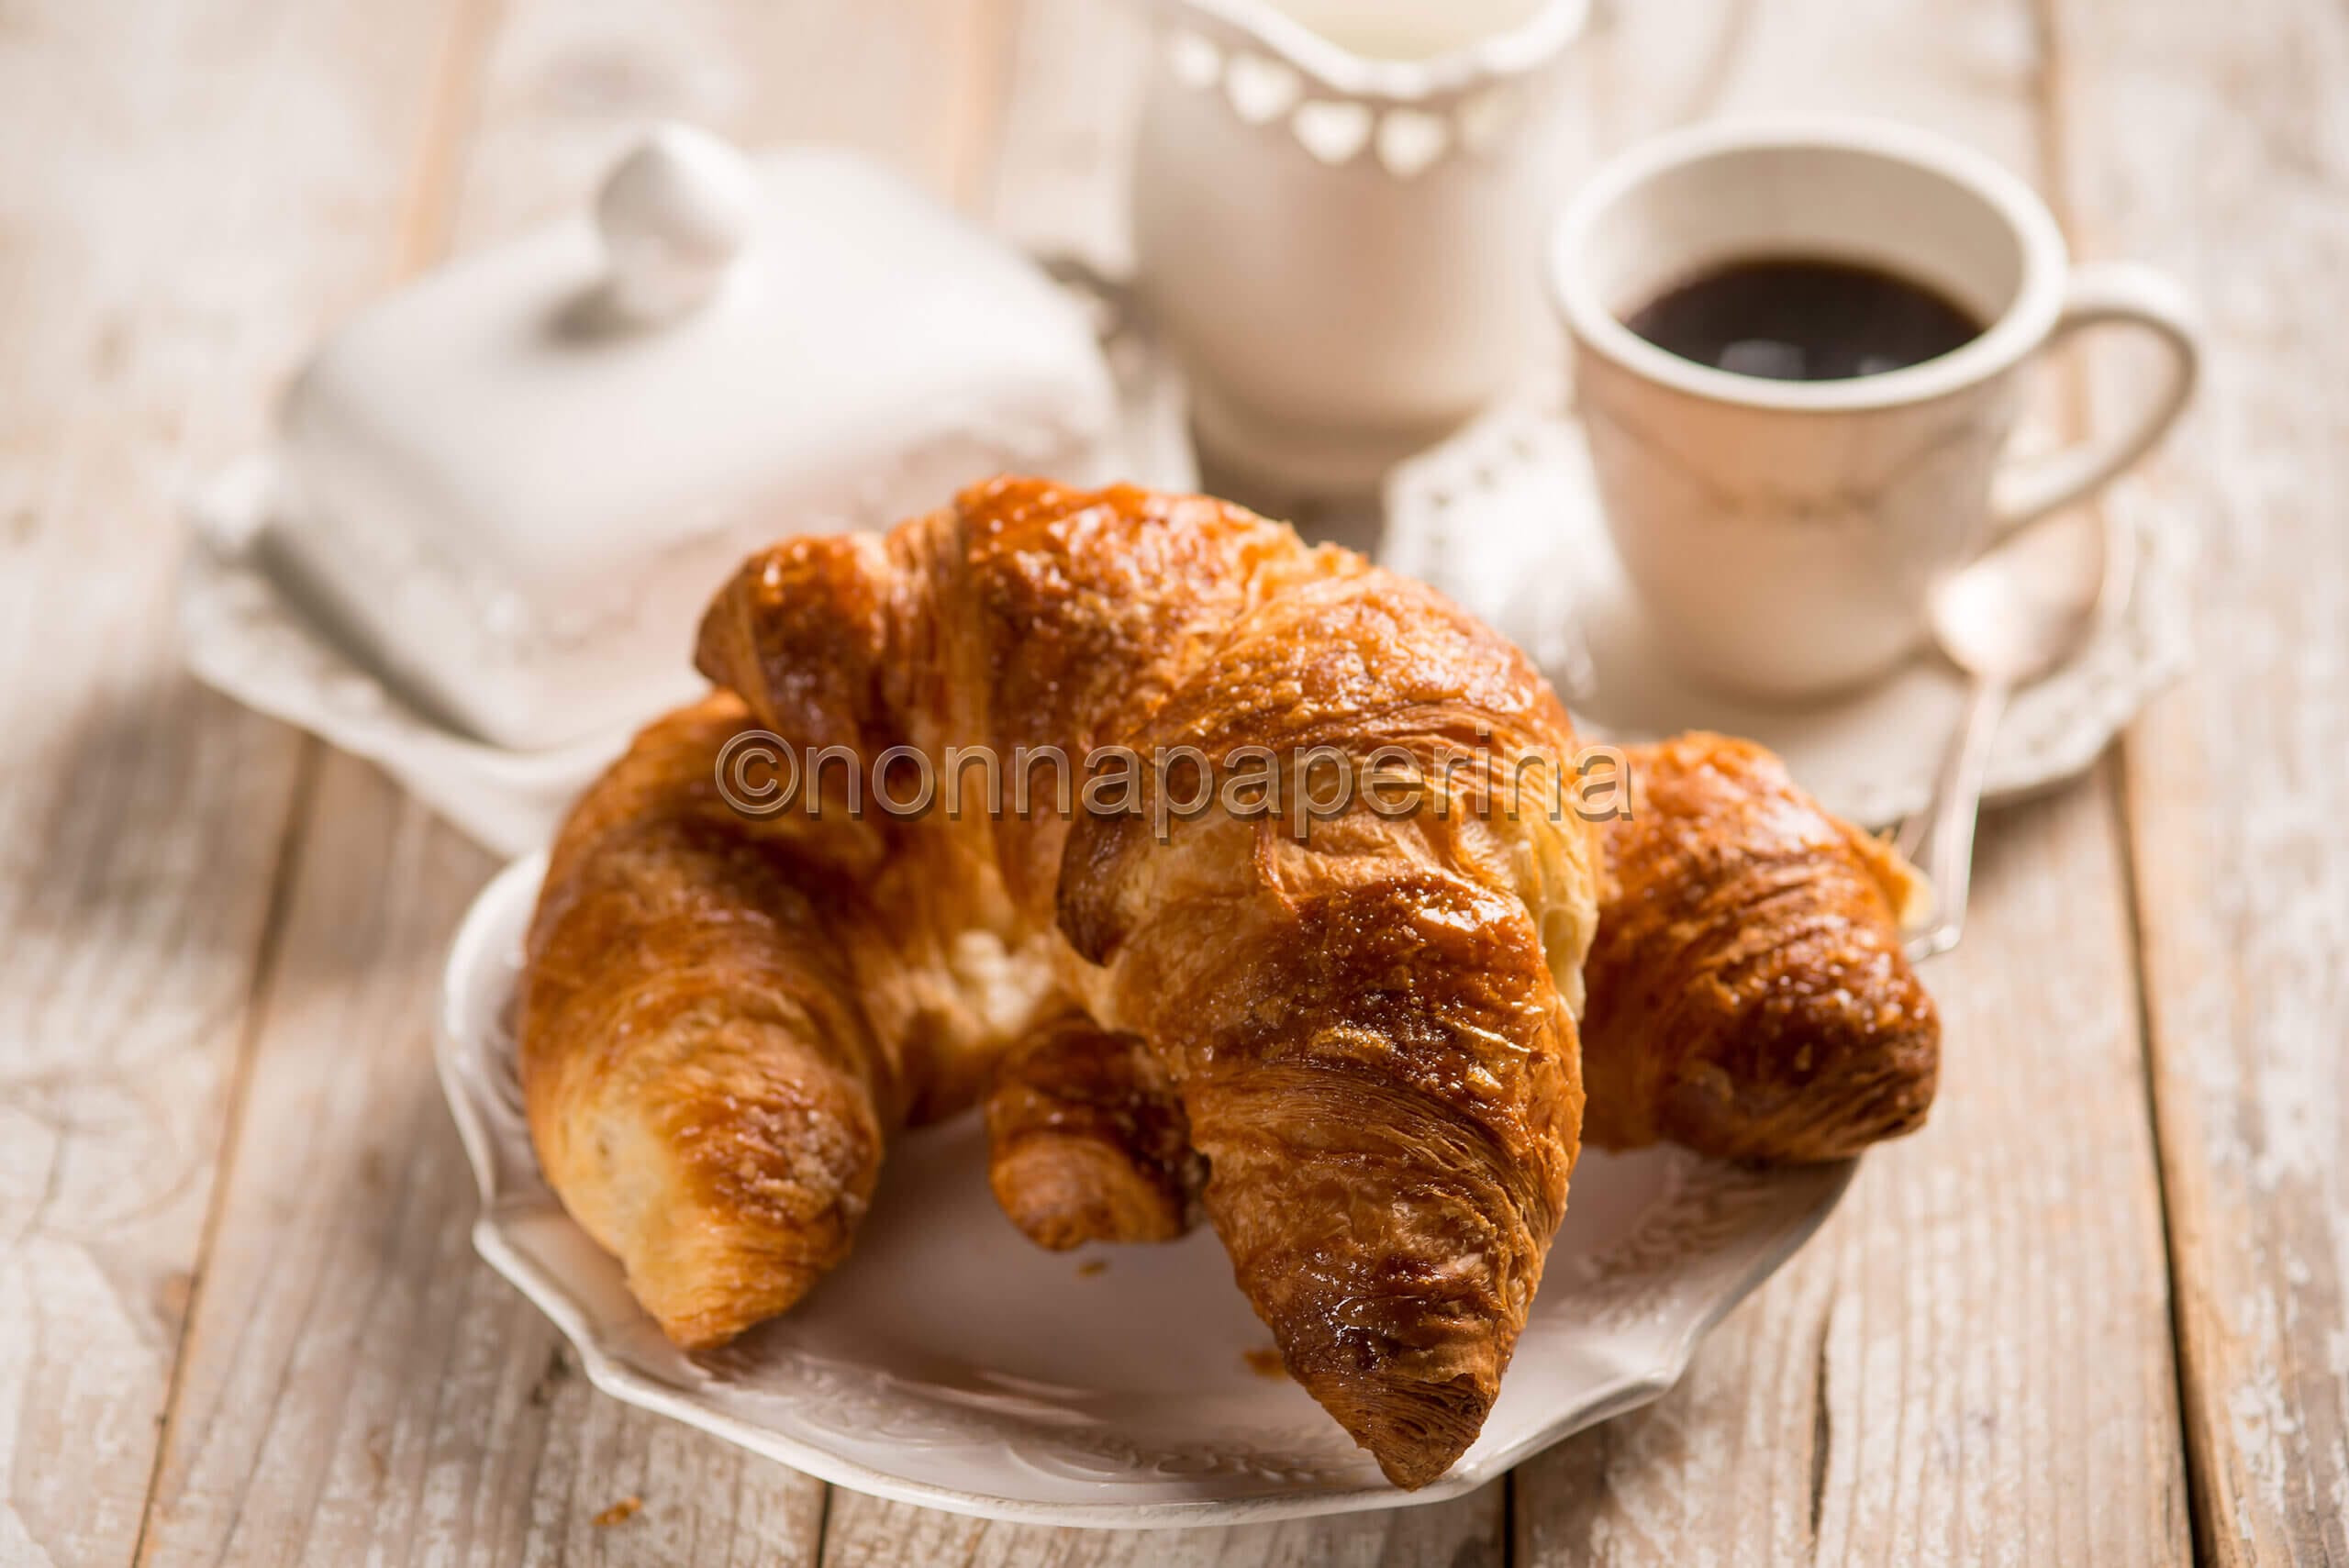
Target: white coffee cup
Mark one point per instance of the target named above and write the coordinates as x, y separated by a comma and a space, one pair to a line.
1784, 535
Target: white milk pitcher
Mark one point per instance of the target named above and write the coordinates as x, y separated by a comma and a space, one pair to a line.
1339, 210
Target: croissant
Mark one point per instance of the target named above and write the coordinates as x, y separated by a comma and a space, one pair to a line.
1359, 1025
1747, 999
702, 1085
1748, 996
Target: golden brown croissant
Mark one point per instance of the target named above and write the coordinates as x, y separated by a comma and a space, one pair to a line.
1748, 996
1365, 1018
702, 1086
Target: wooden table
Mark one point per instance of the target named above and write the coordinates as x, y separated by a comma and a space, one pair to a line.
2095, 1314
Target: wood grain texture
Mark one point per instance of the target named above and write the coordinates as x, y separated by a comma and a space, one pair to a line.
356, 1384
2215, 142
186, 194
1971, 1363
206, 940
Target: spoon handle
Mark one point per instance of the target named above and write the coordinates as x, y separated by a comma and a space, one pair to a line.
1946, 849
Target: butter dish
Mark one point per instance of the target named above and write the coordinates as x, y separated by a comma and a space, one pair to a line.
510, 487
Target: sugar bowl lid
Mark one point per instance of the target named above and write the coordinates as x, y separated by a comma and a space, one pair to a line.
674, 214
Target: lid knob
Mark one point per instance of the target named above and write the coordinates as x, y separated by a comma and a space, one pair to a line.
675, 212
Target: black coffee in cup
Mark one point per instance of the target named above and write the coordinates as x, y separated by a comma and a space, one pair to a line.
1797, 319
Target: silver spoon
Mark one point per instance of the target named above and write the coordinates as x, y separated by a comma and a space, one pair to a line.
2005, 620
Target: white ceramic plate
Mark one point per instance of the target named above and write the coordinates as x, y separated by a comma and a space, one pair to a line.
1505, 518
949, 1363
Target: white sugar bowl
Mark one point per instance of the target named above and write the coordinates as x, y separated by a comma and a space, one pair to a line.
1339, 208
515, 482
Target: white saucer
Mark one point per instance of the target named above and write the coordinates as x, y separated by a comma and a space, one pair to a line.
952, 1363
1505, 518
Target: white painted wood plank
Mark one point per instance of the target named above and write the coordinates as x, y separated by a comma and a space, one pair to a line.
2215, 142
358, 1385
186, 190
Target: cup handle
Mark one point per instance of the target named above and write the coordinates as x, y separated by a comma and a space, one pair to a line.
2100, 293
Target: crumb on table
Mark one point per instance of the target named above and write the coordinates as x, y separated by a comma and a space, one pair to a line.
1092, 1266
619, 1512
1265, 1361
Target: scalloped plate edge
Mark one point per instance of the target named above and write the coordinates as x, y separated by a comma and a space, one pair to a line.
1638, 1384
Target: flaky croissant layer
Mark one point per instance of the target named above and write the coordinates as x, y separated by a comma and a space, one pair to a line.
1359, 1034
